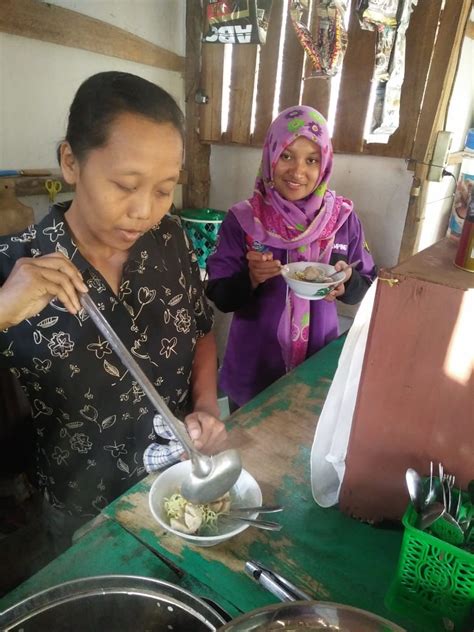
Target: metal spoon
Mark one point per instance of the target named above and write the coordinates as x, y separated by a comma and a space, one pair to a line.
430, 514
259, 524
261, 509
351, 265
211, 476
415, 489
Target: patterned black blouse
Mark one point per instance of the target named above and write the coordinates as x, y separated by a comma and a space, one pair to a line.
92, 421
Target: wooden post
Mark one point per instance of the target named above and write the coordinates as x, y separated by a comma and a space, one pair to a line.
444, 62
196, 191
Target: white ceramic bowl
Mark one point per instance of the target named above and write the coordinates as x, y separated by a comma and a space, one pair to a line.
246, 493
308, 289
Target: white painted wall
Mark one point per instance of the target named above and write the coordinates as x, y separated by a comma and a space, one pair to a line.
379, 188
38, 79
459, 118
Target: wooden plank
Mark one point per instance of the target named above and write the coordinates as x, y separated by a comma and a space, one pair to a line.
420, 39
50, 23
211, 85
441, 76
25, 185
241, 92
316, 90
414, 219
435, 265
267, 74
316, 93
197, 154
357, 71
470, 30
292, 68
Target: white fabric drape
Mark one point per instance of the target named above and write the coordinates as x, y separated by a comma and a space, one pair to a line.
330, 443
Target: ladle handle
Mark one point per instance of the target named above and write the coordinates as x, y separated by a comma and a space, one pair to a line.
275, 583
126, 358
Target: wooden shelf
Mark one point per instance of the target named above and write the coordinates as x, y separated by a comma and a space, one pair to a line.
27, 185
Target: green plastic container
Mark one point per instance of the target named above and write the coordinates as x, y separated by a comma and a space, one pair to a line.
202, 227
434, 585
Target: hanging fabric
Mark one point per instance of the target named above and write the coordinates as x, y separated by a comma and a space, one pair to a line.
390, 19
326, 49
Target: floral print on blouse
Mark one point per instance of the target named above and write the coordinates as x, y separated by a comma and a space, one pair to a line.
91, 419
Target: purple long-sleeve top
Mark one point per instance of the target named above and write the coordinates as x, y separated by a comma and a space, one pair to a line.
253, 358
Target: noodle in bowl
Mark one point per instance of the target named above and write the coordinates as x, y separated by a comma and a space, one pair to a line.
245, 493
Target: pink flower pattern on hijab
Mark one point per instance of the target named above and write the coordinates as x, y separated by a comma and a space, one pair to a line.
305, 228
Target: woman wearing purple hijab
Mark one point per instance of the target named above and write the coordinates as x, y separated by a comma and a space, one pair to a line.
291, 216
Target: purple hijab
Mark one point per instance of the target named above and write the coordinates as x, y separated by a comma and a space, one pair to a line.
305, 228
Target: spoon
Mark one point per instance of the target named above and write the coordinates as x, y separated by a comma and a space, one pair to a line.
415, 489
430, 514
211, 476
261, 509
259, 524
351, 265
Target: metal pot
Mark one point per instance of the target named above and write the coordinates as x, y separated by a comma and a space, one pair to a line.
140, 604
112, 602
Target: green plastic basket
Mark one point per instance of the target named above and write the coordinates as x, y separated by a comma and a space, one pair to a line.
434, 585
202, 227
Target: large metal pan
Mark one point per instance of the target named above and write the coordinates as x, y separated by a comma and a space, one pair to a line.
111, 603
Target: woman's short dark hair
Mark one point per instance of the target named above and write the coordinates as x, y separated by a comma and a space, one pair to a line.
106, 95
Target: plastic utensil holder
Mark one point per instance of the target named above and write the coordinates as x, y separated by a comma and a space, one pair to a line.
435, 580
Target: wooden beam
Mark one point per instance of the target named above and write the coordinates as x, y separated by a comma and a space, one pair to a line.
197, 154
470, 29
211, 84
414, 219
50, 23
241, 88
441, 76
357, 71
267, 74
26, 185
439, 85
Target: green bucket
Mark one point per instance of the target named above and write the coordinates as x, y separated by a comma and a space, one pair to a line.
202, 227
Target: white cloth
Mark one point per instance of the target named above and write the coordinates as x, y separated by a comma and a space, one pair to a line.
329, 449
159, 455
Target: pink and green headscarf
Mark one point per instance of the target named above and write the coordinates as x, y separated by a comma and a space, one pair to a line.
306, 228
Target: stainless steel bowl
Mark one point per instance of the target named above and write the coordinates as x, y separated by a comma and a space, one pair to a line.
112, 602
309, 616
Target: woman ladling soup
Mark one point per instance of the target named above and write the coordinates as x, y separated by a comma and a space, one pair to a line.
123, 153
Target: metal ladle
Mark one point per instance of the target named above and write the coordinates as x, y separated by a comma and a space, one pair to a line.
211, 476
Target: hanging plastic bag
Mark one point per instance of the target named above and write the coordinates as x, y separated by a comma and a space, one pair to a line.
326, 49
237, 21
390, 19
